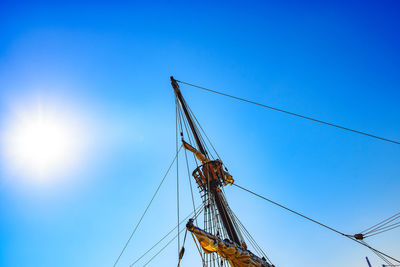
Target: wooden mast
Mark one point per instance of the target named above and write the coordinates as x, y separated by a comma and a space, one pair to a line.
213, 187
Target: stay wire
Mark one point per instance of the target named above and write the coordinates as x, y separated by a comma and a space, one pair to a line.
251, 239
383, 227
166, 235
295, 212
208, 139
199, 133
293, 114
152, 258
186, 157
166, 245
147, 208
379, 255
182, 251
190, 181
177, 170
198, 249
380, 232
188, 135
381, 224
321, 224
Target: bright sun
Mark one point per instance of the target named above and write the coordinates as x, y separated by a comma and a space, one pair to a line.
41, 143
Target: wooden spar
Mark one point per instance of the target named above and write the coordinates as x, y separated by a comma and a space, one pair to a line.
182, 102
221, 206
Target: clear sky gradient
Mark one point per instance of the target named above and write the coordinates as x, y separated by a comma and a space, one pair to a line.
107, 64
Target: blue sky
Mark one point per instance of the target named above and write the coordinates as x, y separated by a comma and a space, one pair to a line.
108, 64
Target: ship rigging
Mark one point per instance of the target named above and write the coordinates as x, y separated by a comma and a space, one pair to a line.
221, 239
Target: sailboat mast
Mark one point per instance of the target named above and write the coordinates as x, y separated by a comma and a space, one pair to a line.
213, 188
182, 103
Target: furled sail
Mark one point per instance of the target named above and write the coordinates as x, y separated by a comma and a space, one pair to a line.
237, 256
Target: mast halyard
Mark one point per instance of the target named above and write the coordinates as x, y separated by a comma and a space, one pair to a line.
220, 221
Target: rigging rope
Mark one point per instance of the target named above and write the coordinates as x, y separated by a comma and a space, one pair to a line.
165, 236
147, 208
319, 223
379, 255
292, 113
295, 212
168, 243
396, 225
205, 134
198, 249
190, 182
252, 240
380, 227
186, 157
177, 171
182, 252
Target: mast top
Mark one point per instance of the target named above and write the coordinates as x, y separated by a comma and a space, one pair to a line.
192, 125
174, 84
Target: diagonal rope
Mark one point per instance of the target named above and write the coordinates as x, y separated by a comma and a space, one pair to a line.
169, 242
295, 212
167, 234
190, 181
205, 134
379, 255
251, 239
186, 157
182, 251
292, 113
177, 171
198, 249
382, 225
378, 224
147, 208
391, 228
319, 223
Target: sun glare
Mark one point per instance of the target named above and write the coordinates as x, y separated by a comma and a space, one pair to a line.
41, 143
